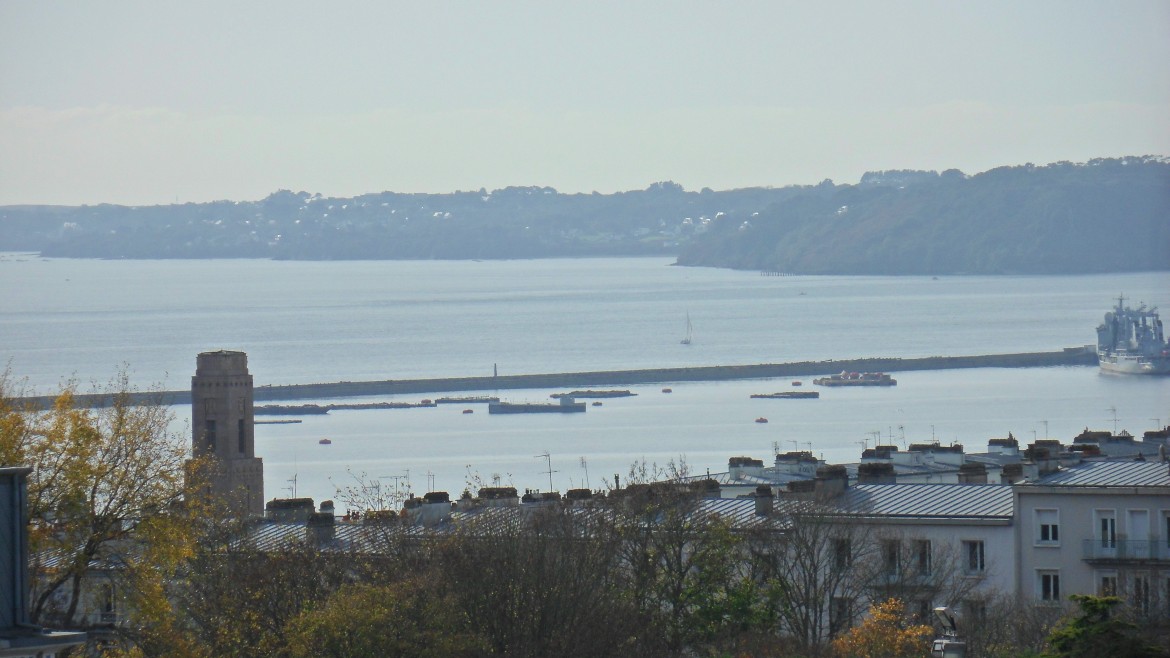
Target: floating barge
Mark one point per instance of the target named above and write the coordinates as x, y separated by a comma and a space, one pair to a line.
593, 394
857, 379
468, 399
786, 395
566, 405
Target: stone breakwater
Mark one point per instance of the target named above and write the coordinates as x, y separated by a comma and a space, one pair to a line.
1075, 356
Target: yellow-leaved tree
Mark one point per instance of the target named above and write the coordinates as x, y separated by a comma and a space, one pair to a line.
112, 512
885, 633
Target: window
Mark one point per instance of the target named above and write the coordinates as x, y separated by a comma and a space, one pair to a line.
209, 432
1139, 594
842, 554
973, 550
1047, 526
1106, 528
891, 558
923, 612
922, 556
975, 610
840, 614
1049, 585
243, 438
1107, 585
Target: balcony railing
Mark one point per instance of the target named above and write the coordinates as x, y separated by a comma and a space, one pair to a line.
1126, 549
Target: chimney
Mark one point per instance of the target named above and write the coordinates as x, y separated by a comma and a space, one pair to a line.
1009, 446
831, 481
764, 499
1011, 473
876, 473
740, 467
289, 510
432, 509
973, 473
319, 528
499, 496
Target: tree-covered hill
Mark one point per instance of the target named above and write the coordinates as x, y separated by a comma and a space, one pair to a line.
1107, 215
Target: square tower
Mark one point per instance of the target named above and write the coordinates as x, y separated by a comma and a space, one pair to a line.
222, 427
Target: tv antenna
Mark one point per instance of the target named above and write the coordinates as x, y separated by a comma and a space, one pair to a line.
550, 471
584, 465
1113, 410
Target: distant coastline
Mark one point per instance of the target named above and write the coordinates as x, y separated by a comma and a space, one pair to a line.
1072, 356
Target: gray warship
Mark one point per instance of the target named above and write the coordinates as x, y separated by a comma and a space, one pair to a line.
1130, 341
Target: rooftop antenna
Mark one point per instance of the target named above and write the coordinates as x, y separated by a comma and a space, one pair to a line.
550, 471
292, 489
795, 446
585, 465
932, 439
430, 481
809, 444
1045, 429
902, 430
1113, 410
775, 447
1157, 423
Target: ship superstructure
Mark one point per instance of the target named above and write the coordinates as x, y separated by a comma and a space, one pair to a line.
1131, 341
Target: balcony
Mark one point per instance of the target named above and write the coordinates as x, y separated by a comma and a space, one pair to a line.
1126, 550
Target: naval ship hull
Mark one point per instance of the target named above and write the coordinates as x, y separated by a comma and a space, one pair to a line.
1130, 364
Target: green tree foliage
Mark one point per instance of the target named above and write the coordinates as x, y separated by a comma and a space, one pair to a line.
1096, 630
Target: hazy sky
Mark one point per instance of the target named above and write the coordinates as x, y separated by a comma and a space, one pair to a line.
157, 102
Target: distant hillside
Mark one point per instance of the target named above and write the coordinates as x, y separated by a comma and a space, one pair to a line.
1107, 215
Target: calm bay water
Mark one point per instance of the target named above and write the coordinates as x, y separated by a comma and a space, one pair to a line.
305, 322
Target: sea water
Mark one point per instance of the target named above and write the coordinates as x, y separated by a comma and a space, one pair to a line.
303, 322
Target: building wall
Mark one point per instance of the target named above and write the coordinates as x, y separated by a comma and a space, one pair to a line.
1084, 555
949, 540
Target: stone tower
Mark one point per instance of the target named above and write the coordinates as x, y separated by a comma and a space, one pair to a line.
222, 427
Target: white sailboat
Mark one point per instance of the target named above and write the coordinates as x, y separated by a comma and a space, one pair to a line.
687, 339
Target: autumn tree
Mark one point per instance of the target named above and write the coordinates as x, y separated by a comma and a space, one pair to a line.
885, 633
110, 507
406, 618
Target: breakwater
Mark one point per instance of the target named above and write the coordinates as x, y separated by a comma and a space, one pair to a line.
1074, 356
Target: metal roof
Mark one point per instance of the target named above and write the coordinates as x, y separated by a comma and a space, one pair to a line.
1110, 473
954, 501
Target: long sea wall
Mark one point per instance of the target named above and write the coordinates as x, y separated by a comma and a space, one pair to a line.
1074, 356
